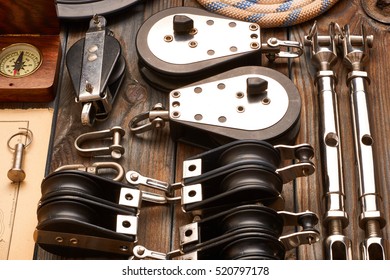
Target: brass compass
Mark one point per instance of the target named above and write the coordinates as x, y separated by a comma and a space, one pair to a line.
19, 60
30, 51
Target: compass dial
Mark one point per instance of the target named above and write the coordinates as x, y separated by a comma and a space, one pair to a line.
19, 60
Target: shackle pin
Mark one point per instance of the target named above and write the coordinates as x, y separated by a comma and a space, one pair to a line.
116, 150
16, 174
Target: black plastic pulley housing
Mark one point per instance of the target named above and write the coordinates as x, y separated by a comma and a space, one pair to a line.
170, 58
181, 45
241, 172
247, 232
250, 102
97, 69
80, 9
234, 193
85, 215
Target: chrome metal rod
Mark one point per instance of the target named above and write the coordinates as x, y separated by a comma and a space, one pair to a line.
371, 219
323, 56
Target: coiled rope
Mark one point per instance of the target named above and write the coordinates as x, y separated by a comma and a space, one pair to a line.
269, 13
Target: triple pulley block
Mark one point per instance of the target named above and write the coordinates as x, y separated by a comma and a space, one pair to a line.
246, 171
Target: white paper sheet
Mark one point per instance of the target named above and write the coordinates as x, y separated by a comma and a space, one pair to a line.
18, 201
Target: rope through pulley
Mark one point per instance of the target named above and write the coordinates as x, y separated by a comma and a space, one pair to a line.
269, 13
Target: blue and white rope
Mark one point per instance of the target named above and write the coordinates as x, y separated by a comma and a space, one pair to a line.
270, 13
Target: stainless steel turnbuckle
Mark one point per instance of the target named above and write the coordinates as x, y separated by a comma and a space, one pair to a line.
324, 56
356, 55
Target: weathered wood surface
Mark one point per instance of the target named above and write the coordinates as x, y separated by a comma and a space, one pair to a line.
155, 155
20, 17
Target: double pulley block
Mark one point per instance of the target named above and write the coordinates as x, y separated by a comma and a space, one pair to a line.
233, 192
96, 68
181, 45
246, 232
84, 215
243, 171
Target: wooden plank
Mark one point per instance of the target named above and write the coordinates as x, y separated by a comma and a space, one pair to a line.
379, 104
21, 17
282, 65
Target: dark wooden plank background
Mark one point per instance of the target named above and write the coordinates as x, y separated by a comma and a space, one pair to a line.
154, 154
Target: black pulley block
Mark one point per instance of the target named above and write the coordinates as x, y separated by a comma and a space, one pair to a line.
113, 67
225, 108
236, 173
97, 69
80, 9
243, 232
170, 59
250, 102
181, 45
84, 215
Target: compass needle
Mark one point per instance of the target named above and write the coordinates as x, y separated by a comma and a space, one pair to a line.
18, 63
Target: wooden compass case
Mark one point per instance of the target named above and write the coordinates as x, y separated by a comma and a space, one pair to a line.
34, 22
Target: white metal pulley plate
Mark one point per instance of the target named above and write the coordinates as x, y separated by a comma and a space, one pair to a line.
250, 102
209, 38
227, 103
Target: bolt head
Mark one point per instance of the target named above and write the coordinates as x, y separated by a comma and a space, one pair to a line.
182, 24
16, 175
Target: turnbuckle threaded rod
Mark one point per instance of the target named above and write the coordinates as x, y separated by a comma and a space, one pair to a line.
324, 56
371, 219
